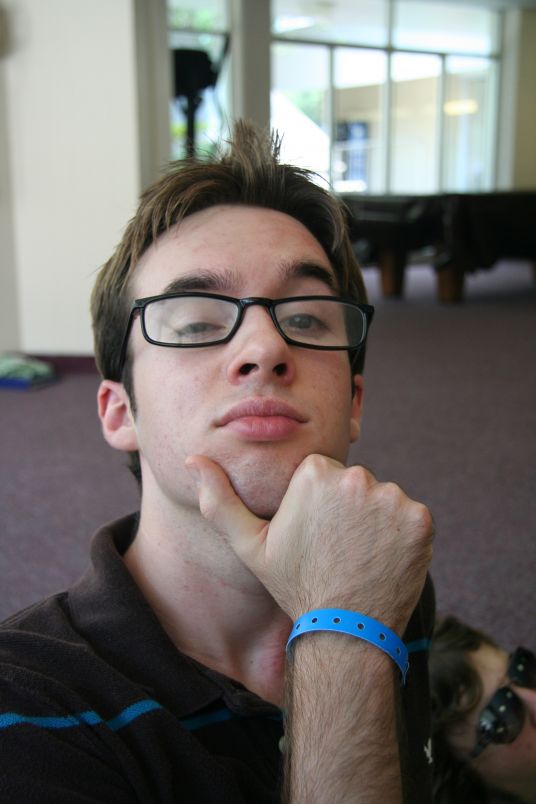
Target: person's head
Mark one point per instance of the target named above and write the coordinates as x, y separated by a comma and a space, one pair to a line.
248, 173
232, 225
483, 716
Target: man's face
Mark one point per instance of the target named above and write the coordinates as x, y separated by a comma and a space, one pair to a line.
186, 399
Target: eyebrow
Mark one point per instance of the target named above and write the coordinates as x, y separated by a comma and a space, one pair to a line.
304, 269
204, 280
226, 280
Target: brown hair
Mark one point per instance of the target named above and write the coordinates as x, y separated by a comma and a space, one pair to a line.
249, 173
456, 689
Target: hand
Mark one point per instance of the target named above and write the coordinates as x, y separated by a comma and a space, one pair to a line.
340, 538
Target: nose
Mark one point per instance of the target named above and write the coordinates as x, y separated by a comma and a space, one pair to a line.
258, 351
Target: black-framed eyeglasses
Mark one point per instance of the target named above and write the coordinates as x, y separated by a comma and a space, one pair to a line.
503, 717
194, 320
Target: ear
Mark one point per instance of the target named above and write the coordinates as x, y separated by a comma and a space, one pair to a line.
116, 416
357, 407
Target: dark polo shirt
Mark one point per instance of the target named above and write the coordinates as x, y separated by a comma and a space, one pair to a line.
97, 705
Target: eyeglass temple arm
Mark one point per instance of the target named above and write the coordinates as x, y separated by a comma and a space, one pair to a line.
123, 353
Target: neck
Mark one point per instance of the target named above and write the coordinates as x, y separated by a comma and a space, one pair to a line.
211, 606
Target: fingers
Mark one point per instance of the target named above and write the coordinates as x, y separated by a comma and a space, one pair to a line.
223, 508
338, 535
358, 541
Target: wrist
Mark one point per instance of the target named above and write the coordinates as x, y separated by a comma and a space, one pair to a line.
353, 624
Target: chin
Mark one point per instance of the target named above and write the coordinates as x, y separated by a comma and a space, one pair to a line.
262, 484
263, 496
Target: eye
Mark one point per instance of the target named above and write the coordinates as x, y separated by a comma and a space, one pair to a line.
303, 323
195, 331
310, 327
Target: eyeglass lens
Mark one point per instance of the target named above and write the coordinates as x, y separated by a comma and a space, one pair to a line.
501, 721
522, 668
203, 320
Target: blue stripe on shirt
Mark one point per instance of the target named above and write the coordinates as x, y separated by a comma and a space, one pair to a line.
417, 645
136, 710
131, 713
88, 718
218, 716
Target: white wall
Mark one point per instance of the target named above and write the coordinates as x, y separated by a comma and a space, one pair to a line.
516, 157
9, 318
68, 93
525, 162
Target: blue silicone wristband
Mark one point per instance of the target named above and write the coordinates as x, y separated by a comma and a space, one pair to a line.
357, 625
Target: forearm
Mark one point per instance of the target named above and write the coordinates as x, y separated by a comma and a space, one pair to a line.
339, 538
341, 730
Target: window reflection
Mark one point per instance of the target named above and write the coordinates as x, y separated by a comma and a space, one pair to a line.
371, 109
444, 27
300, 105
469, 111
414, 121
359, 145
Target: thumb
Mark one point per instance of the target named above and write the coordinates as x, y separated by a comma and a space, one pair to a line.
222, 507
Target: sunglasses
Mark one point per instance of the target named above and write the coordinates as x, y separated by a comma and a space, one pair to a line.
502, 719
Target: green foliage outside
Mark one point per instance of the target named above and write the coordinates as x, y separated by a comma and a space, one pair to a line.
310, 102
196, 19
204, 145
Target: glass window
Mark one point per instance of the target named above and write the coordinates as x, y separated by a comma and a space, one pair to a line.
469, 114
444, 27
363, 22
359, 149
300, 104
407, 110
201, 29
414, 123
210, 15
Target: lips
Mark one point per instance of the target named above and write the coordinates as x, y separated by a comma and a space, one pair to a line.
262, 420
260, 408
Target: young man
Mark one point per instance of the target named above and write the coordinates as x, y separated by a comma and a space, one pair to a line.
163, 675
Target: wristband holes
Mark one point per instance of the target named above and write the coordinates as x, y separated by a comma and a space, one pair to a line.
367, 629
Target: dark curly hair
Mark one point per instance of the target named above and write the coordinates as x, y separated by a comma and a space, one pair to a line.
456, 689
